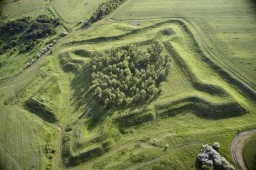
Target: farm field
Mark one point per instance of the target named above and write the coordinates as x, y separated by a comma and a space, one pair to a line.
53, 116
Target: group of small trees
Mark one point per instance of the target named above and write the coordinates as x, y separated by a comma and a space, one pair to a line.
25, 32
128, 75
42, 27
104, 9
209, 157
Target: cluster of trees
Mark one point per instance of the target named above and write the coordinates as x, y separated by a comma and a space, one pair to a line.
104, 9
25, 32
41, 27
209, 157
128, 75
12, 28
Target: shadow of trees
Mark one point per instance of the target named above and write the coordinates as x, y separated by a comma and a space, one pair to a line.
83, 100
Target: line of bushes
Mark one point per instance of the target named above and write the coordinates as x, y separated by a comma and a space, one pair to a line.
40, 110
104, 9
201, 108
76, 159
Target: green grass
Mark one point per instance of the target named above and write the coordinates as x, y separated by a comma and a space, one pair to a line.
182, 126
23, 8
232, 43
61, 81
249, 153
74, 11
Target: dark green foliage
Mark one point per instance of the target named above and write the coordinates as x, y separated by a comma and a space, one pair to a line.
42, 27
107, 145
25, 32
95, 152
39, 30
12, 28
40, 110
104, 9
201, 108
127, 75
85, 156
46, 19
82, 53
168, 31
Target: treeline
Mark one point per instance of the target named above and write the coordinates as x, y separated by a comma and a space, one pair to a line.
26, 32
128, 75
104, 9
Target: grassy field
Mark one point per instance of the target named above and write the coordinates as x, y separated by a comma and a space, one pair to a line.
22, 8
176, 130
200, 102
81, 10
250, 153
231, 42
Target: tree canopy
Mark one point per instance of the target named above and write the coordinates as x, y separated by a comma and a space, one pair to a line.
128, 75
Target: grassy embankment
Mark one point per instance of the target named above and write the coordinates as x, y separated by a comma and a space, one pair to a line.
250, 153
60, 82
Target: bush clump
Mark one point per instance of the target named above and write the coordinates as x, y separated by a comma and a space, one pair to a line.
26, 32
104, 9
128, 75
40, 110
208, 157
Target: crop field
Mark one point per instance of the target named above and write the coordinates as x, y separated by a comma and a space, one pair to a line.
71, 110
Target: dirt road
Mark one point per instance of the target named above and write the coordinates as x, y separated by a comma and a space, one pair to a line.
237, 148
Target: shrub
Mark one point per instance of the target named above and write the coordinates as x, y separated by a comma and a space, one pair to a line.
104, 9
208, 157
107, 145
40, 110
23, 32
216, 145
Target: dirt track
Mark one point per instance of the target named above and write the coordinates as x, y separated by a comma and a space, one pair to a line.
237, 148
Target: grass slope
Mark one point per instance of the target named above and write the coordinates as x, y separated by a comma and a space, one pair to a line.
85, 135
231, 42
249, 153
197, 105
73, 11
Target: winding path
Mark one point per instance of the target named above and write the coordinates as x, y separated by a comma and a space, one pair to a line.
237, 148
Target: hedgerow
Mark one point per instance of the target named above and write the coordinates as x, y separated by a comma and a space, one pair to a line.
104, 9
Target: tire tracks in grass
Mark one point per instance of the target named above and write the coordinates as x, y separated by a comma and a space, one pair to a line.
10, 157
6, 152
